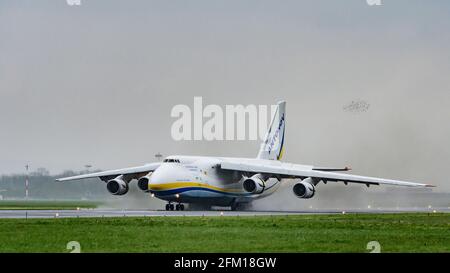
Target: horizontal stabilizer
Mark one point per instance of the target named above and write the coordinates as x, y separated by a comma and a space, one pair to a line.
332, 169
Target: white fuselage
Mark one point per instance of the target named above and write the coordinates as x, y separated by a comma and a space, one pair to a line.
197, 179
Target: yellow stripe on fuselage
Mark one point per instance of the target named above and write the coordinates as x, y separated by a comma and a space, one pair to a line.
177, 185
280, 156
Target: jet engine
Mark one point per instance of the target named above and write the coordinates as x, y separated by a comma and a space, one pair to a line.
117, 186
143, 183
304, 189
254, 184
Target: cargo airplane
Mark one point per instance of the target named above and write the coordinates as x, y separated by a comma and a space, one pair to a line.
233, 182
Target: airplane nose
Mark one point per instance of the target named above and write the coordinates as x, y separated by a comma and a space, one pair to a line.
168, 173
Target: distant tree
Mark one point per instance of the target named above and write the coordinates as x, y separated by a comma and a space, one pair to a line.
41, 172
43, 186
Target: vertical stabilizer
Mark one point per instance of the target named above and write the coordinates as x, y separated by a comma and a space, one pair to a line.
272, 146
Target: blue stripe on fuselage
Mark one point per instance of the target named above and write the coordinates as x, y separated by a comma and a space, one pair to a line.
185, 189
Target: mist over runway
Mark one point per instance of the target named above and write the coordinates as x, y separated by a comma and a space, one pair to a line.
83, 213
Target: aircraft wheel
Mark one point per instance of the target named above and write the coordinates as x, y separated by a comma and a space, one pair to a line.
167, 207
240, 206
171, 206
181, 207
177, 207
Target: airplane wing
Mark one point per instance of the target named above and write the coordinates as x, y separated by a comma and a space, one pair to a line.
287, 170
130, 173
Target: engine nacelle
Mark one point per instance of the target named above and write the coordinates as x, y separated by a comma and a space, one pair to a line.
117, 186
143, 183
254, 184
304, 189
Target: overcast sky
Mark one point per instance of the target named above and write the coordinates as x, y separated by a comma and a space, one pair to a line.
95, 84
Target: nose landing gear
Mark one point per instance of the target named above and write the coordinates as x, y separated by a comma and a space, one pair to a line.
170, 206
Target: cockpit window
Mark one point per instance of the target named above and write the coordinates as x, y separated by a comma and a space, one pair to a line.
171, 160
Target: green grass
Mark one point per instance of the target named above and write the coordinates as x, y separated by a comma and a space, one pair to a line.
44, 204
302, 233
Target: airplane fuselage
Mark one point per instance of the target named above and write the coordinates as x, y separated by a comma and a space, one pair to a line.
196, 179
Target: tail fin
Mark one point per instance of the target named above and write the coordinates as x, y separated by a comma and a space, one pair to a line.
272, 147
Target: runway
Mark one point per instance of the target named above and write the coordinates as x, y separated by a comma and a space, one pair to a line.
25, 214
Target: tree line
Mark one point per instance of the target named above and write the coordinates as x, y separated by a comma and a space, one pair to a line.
42, 185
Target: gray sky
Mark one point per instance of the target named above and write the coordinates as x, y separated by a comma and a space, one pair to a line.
96, 83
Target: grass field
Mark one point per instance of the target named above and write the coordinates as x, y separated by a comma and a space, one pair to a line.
44, 204
302, 233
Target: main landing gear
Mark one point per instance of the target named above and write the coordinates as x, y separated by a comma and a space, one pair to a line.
240, 206
170, 206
